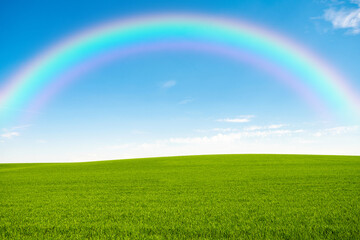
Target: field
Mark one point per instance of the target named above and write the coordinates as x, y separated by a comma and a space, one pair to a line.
193, 197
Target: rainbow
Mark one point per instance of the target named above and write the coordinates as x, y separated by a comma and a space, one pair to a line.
34, 83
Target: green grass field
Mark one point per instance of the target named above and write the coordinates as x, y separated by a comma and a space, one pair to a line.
194, 197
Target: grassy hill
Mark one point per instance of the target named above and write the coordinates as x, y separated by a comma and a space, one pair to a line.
193, 197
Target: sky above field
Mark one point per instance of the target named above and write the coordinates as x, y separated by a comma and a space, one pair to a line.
181, 101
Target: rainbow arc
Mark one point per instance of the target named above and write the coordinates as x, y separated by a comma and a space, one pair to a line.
34, 83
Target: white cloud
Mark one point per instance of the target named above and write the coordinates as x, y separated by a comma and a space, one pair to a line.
275, 138
21, 126
169, 84
273, 126
336, 131
241, 119
239, 142
230, 137
12, 132
251, 128
345, 18
9, 135
16, 128
343, 129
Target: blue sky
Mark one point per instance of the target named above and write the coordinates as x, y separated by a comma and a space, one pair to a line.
175, 102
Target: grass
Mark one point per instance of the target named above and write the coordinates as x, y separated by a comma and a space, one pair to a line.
193, 197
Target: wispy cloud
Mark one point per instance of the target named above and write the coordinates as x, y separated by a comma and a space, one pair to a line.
12, 132
9, 135
241, 119
336, 131
21, 126
246, 129
231, 142
169, 84
272, 126
271, 138
345, 18
186, 101
230, 137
